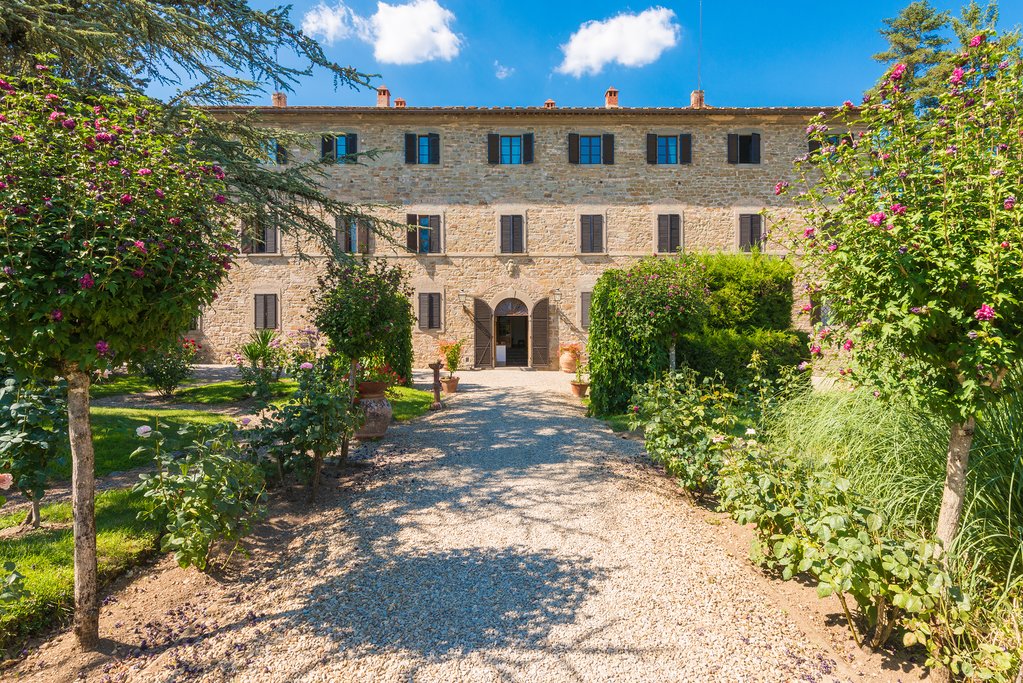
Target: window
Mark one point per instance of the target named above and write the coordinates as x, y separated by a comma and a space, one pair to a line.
744, 149
669, 149
513, 235
260, 237
669, 233
591, 149
340, 149
429, 311
422, 149
266, 312
275, 152
353, 236
194, 324
585, 298
423, 235
591, 238
510, 149
751, 231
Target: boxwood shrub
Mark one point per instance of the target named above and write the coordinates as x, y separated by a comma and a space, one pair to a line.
728, 351
748, 291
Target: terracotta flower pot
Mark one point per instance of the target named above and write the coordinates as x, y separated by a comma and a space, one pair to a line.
579, 388
449, 384
376, 410
568, 361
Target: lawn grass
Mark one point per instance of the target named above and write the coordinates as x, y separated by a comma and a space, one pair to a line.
45, 558
228, 392
119, 384
618, 422
408, 403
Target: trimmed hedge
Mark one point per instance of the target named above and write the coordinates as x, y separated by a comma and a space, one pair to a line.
748, 291
728, 351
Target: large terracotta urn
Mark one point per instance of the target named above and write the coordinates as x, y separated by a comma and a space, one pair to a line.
376, 408
568, 361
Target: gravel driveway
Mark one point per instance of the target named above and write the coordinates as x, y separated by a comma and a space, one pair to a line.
505, 538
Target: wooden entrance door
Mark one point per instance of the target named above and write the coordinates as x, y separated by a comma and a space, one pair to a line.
483, 318
541, 334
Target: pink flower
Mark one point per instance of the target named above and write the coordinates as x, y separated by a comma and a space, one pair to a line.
306, 366
57, 315
145, 171
815, 350
1009, 204
4, 85
957, 76
824, 333
808, 233
984, 313
104, 137
140, 245
832, 247
126, 199
848, 104
174, 221
50, 97
897, 72
219, 198
1005, 245
898, 209
806, 308
6, 481
102, 347
86, 281
780, 187
876, 219
54, 115
42, 67
138, 273
17, 139
69, 124
976, 40
159, 193
847, 345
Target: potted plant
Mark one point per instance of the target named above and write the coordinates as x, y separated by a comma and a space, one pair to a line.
452, 352
568, 356
579, 385
373, 379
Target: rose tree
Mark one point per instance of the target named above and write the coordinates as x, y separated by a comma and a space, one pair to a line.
915, 242
112, 236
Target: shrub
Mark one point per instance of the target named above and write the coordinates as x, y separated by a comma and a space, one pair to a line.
165, 370
452, 352
748, 291
209, 493
727, 352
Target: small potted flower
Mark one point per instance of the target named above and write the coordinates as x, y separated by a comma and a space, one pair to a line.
452, 352
568, 356
579, 385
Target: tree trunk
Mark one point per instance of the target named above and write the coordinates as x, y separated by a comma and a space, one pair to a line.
33, 518
959, 443
83, 506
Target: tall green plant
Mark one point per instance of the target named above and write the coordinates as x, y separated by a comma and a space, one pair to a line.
914, 238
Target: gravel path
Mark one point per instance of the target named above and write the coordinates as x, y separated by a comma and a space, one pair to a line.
505, 538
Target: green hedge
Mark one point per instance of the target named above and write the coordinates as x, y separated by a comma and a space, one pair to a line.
748, 291
729, 351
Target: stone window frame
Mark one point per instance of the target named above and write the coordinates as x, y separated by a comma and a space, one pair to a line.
511, 210
737, 213
748, 130
425, 131
424, 210
261, 254
250, 316
661, 209
590, 210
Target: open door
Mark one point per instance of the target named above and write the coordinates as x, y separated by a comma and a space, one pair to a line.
541, 334
483, 317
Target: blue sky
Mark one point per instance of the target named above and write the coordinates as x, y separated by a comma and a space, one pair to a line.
503, 53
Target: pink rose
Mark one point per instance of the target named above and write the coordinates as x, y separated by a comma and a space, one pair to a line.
984, 313
847, 345
174, 221
6, 481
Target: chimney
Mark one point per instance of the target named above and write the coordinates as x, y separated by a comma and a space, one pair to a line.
696, 100
279, 99
549, 104
399, 103
611, 98
383, 97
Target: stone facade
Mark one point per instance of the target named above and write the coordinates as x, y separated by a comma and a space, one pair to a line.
470, 195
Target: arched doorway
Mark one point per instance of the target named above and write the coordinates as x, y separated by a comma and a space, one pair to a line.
511, 333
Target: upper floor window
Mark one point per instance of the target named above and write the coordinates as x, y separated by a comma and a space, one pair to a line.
422, 149
751, 231
352, 236
513, 235
423, 235
266, 312
339, 148
591, 149
510, 149
275, 152
669, 233
744, 149
260, 237
591, 238
669, 149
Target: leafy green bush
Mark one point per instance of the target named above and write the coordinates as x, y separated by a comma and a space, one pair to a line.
728, 351
748, 291
166, 369
209, 493
684, 419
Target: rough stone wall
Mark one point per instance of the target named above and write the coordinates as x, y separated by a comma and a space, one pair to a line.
470, 195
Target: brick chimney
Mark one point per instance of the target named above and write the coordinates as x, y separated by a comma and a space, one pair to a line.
383, 97
279, 99
399, 103
549, 104
696, 100
611, 98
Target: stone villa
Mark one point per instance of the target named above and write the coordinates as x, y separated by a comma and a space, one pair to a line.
516, 212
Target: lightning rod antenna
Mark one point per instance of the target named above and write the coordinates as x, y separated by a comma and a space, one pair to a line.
699, 51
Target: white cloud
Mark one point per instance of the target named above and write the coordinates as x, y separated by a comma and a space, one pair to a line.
628, 39
501, 71
410, 33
